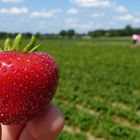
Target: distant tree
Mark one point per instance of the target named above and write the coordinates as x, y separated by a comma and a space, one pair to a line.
90, 33
128, 30
136, 30
97, 33
70, 33
3, 35
63, 33
38, 35
28, 35
111, 33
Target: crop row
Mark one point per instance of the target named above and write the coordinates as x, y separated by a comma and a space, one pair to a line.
101, 77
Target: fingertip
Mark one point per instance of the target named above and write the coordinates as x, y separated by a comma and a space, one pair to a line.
49, 125
55, 118
58, 124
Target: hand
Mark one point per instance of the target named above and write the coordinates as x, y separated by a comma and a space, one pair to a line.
47, 127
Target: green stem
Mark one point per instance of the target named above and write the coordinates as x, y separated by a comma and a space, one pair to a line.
30, 45
1, 50
7, 44
35, 48
17, 42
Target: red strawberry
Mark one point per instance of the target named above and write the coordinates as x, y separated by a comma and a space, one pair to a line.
28, 82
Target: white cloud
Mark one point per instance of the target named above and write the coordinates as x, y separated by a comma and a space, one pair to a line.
74, 23
55, 11
129, 17
14, 10
97, 15
92, 3
42, 14
111, 23
86, 26
126, 17
72, 11
11, 1
120, 9
136, 20
71, 21
45, 14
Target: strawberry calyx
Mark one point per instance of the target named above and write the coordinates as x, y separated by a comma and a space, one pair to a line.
30, 47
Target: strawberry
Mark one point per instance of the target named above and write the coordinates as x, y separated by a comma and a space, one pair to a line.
28, 81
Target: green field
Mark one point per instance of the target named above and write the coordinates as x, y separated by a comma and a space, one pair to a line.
99, 88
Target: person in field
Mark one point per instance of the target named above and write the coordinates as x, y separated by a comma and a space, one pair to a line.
136, 38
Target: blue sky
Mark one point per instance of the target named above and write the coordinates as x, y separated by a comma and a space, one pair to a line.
51, 16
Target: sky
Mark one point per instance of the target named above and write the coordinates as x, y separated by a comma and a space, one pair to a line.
51, 16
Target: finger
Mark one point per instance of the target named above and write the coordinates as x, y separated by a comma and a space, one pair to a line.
49, 125
26, 135
10, 132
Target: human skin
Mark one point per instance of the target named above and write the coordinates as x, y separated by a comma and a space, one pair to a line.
47, 127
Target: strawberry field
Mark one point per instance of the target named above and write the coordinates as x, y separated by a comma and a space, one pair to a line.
99, 88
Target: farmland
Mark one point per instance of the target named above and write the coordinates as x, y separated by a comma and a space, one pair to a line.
99, 88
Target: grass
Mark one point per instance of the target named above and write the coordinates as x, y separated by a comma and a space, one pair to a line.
99, 89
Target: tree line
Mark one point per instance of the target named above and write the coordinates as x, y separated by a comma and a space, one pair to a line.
127, 31
71, 33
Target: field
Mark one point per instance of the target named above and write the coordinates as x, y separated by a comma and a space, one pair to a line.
99, 88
